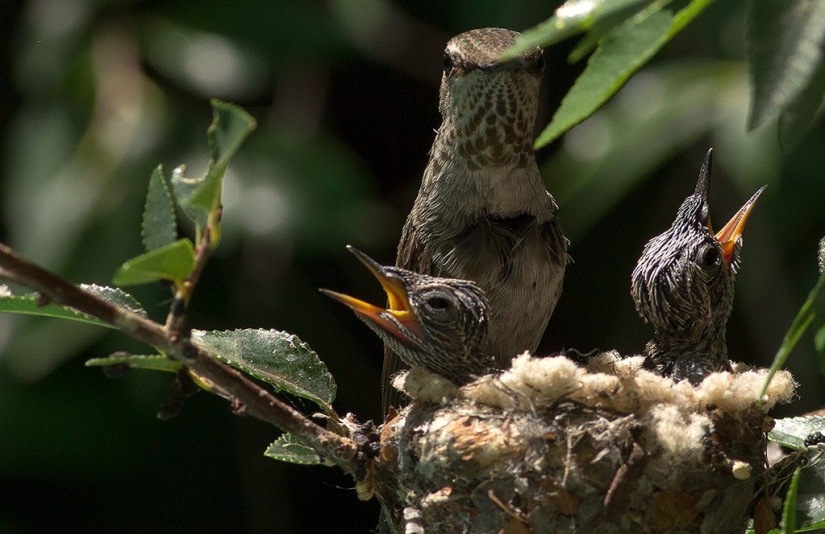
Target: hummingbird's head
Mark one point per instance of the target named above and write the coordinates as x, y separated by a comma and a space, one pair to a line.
487, 102
683, 283
436, 323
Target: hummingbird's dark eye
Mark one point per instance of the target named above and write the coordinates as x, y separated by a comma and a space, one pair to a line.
539, 64
448, 64
709, 256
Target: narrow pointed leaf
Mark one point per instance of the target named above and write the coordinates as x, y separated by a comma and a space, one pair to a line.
800, 323
789, 508
620, 54
286, 449
574, 17
786, 46
159, 226
152, 362
278, 358
172, 262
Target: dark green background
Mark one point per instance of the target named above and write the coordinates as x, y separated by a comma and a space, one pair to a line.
96, 94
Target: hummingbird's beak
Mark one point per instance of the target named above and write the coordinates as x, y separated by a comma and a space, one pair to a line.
506, 64
398, 300
728, 235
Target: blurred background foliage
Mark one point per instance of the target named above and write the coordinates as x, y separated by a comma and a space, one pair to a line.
96, 93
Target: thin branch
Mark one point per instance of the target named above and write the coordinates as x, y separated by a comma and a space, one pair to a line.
259, 402
175, 319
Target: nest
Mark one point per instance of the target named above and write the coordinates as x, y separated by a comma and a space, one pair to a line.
549, 446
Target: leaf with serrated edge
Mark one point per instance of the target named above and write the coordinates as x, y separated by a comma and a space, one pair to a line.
786, 45
173, 262
116, 296
159, 227
278, 358
286, 449
152, 362
574, 17
621, 53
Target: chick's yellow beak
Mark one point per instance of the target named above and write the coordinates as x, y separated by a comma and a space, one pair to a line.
397, 297
728, 235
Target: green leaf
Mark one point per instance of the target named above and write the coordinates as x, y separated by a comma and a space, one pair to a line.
789, 508
278, 358
286, 449
791, 432
159, 226
30, 304
185, 189
621, 53
172, 262
796, 120
230, 126
603, 152
800, 323
574, 17
810, 493
200, 197
152, 362
786, 45
116, 296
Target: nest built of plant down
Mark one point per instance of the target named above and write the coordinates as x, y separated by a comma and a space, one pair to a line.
549, 446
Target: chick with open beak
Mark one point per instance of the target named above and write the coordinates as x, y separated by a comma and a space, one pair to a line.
436, 323
684, 284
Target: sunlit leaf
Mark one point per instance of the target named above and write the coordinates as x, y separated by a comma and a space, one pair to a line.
275, 357
30, 304
574, 17
172, 262
786, 46
621, 53
152, 362
800, 323
286, 449
117, 296
792, 432
159, 225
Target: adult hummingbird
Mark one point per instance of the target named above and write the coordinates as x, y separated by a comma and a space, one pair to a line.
482, 212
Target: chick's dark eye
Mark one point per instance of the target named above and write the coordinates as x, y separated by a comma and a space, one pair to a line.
438, 303
448, 64
709, 256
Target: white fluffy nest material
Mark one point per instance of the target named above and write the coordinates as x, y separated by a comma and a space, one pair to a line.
609, 382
